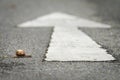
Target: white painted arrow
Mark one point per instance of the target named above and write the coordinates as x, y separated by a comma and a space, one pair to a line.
68, 43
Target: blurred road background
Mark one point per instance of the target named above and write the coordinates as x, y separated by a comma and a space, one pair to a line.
35, 40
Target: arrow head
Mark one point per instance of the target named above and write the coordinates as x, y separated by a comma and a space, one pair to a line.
57, 18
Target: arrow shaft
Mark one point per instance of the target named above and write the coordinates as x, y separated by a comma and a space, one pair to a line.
70, 44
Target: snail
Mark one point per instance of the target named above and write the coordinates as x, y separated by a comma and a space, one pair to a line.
21, 54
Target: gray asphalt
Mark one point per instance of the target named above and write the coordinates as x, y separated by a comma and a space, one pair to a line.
35, 42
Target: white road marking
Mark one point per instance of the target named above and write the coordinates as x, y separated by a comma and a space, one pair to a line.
68, 43
57, 18
71, 44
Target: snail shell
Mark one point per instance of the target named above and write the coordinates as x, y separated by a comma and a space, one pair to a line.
20, 53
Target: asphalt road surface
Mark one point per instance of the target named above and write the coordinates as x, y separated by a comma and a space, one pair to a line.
35, 42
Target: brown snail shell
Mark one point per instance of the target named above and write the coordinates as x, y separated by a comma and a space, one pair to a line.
20, 53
